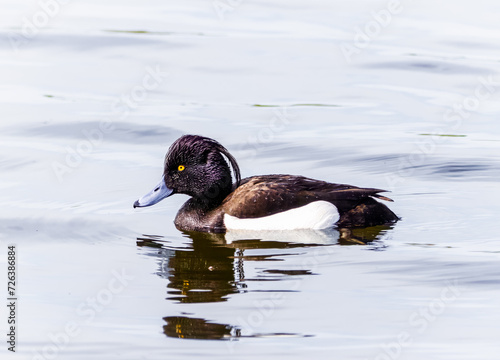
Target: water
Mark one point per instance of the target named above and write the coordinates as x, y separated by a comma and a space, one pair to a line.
92, 99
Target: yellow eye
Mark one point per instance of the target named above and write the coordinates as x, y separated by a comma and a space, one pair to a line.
181, 168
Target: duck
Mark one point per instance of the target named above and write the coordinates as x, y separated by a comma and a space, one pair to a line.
199, 167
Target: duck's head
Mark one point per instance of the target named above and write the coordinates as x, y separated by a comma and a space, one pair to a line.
195, 166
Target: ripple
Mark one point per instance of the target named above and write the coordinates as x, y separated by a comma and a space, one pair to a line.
120, 132
430, 67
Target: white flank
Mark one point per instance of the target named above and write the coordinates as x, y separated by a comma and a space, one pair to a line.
316, 215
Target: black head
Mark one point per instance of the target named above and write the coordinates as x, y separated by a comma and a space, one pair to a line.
195, 166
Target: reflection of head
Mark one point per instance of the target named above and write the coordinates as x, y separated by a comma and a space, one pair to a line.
205, 274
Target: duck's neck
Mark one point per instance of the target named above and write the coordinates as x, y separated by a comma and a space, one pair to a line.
213, 196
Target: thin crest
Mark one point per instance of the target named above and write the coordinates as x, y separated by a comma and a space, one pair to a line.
232, 160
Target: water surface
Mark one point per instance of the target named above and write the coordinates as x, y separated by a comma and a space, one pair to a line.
91, 102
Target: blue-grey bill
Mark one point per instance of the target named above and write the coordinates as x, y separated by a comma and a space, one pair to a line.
160, 192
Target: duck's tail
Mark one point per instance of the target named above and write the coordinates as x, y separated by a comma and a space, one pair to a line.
381, 197
369, 212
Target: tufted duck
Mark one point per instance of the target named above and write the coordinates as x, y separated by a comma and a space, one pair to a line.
195, 166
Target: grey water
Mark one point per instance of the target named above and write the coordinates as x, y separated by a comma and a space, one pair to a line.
402, 96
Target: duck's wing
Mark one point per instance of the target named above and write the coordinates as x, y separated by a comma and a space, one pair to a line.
259, 196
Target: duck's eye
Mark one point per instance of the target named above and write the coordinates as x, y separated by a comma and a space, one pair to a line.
181, 167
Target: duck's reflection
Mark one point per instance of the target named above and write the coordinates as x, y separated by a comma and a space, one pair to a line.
208, 273
194, 328
212, 268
